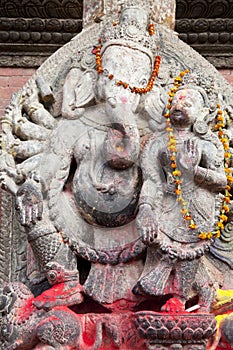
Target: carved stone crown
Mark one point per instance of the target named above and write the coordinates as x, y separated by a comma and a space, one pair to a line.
205, 83
131, 32
142, 4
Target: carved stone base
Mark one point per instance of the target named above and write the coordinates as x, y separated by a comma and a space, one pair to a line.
175, 331
177, 347
28, 326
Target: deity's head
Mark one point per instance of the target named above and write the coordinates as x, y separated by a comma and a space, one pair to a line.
189, 105
128, 50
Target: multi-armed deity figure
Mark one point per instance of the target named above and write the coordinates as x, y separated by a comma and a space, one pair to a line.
121, 175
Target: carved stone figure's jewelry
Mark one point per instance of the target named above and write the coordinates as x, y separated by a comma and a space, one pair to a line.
177, 173
133, 89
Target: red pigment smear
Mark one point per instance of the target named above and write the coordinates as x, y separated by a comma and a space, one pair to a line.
124, 100
182, 97
88, 338
26, 310
174, 304
94, 50
52, 293
224, 346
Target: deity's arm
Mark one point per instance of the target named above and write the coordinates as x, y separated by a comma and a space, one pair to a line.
210, 172
26, 127
151, 197
55, 164
58, 153
153, 176
214, 179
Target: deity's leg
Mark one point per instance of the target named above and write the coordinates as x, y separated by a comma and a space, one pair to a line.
185, 273
183, 276
205, 285
155, 282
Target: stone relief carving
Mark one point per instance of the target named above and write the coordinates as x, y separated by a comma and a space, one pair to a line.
39, 30
117, 154
206, 26
204, 8
31, 31
200, 162
50, 8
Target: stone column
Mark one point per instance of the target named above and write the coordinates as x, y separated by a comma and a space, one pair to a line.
162, 11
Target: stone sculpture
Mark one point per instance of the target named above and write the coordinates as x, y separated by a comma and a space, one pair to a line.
179, 251
118, 155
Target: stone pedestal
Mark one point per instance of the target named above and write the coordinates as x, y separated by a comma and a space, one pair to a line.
175, 331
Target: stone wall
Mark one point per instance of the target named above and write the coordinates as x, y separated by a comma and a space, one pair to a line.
228, 75
11, 80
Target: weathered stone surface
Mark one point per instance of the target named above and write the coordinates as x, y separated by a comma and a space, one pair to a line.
117, 153
162, 12
31, 31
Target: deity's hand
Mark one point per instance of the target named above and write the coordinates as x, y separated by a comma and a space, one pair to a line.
9, 177
188, 157
7, 183
146, 224
29, 201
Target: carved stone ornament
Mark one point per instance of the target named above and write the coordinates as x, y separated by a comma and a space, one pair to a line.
117, 157
207, 27
30, 31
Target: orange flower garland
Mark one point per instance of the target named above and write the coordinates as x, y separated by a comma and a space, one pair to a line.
151, 29
220, 125
133, 89
177, 173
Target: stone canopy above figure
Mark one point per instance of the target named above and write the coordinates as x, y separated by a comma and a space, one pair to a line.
118, 154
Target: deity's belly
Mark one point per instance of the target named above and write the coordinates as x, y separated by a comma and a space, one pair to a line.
105, 196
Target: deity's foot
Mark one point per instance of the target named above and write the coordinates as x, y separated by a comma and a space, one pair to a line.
174, 305
61, 294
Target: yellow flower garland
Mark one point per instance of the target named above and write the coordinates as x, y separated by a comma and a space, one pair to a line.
220, 125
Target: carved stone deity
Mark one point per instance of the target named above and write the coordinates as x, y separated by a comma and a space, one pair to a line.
118, 154
175, 260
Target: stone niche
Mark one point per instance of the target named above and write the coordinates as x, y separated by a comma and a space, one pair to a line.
116, 176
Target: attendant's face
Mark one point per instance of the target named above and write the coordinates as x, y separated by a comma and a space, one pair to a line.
186, 107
